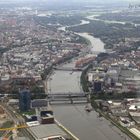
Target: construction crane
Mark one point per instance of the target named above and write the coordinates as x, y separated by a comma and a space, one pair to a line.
12, 128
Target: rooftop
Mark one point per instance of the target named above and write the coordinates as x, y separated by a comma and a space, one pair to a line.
44, 131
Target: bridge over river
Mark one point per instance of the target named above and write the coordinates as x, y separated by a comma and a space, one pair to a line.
68, 69
68, 98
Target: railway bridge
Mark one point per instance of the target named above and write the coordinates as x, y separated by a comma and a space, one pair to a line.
68, 98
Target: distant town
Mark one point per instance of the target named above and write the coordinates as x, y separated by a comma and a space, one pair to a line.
69, 74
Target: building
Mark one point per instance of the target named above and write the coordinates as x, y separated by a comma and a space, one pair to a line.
39, 103
47, 119
47, 131
13, 102
46, 116
136, 132
1, 110
24, 100
97, 86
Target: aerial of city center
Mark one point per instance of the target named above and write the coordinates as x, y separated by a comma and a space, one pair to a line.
69, 69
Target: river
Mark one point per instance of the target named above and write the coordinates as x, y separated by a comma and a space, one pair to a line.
85, 126
96, 45
95, 18
83, 22
64, 81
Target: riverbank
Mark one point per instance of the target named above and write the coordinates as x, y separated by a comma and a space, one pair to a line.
84, 80
113, 122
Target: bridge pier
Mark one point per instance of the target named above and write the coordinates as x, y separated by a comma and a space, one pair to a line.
70, 99
88, 98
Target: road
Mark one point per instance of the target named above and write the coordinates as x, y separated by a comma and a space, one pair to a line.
87, 126
17, 119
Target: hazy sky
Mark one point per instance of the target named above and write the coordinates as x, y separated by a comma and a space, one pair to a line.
71, 1
75, 0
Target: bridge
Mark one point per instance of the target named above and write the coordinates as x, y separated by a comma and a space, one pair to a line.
60, 94
64, 98
68, 98
68, 69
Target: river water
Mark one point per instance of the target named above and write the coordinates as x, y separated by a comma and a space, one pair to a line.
95, 18
85, 126
96, 45
83, 22
64, 81
68, 81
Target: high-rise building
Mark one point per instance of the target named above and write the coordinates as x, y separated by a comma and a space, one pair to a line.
24, 100
97, 86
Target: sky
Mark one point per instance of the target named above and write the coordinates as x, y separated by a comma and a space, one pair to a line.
76, 0
70, 1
